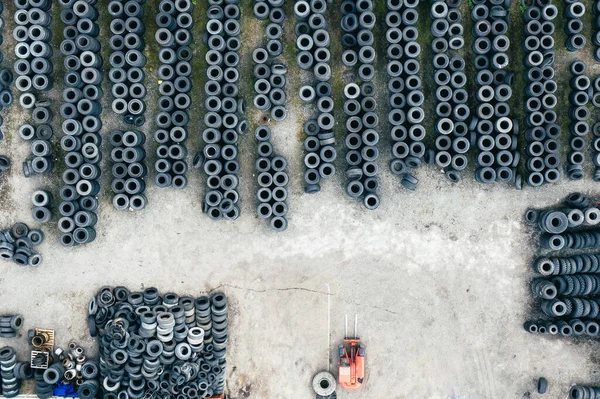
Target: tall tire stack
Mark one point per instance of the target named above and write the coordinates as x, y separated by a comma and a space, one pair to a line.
81, 141
405, 86
541, 130
6, 78
496, 132
128, 170
362, 138
224, 108
313, 43
33, 68
452, 130
596, 129
567, 286
270, 98
579, 115
174, 36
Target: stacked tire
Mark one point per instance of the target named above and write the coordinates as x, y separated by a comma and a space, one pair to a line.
223, 120
575, 10
596, 130
542, 131
406, 94
596, 26
6, 79
272, 179
127, 60
496, 132
174, 36
81, 110
579, 115
452, 142
128, 170
313, 43
34, 69
362, 121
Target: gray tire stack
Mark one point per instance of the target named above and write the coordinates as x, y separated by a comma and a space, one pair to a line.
18, 244
10, 325
406, 94
6, 78
223, 119
452, 142
313, 55
579, 115
496, 132
10, 384
174, 36
34, 70
81, 110
362, 138
41, 200
541, 130
128, 170
595, 99
574, 11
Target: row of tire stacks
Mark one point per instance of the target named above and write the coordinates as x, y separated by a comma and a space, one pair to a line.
6, 79
174, 36
574, 11
595, 99
33, 68
313, 43
270, 76
128, 170
81, 110
596, 26
579, 115
272, 178
223, 119
362, 138
405, 86
496, 131
567, 287
452, 142
542, 131
174, 344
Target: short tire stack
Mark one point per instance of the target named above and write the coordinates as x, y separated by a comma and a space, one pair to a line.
574, 11
313, 43
452, 142
82, 140
223, 118
362, 138
174, 37
10, 325
579, 115
406, 94
128, 170
41, 201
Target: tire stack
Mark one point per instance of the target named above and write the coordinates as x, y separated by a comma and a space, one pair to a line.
183, 337
33, 69
174, 36
127, 60
596, 130
272, 178
270, 77
579, 115
313, 55
81, 110
18, 245
542, 131
362, 138
575, 10
10, 385
129, 169
223, 119
41, 200
596, 26
496, 132
567, 287
10, 325
6, 79
405, 85
453, 113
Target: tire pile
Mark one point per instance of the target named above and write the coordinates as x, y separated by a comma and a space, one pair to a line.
33, 68
362, 138
157, 345
269, 86
272, 178
129, 169
6, 78
18, 244
10, 386
567, 287
452, 141
403, 68
496, 131
81, 110
174, 36
575, 10
579, 115
542, 131
224, 108
313, 55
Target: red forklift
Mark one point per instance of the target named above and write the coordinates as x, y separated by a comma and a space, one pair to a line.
351, 365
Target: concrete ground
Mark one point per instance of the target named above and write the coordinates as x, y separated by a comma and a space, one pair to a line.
439, 277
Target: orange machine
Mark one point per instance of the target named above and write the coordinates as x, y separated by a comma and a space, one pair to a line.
351, 366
